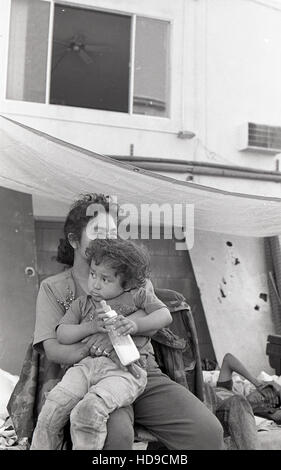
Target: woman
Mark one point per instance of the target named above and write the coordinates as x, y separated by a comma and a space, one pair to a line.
188, 424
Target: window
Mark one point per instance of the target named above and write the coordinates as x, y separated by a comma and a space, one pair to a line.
97, 59
28, 47
90, 67
151, 84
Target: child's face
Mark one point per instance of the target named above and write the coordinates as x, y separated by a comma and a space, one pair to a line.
103, 284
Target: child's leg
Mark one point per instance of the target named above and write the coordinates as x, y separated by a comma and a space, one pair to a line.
117, 388
48, 434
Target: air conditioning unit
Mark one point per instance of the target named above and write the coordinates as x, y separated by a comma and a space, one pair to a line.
259, 138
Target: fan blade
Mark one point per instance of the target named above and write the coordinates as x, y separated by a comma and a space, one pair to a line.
61, 43
58, 61
85, 57
97, 48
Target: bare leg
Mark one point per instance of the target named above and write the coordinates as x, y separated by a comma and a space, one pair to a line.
231, 364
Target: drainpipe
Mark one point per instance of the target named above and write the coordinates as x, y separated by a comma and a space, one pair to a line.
199, 168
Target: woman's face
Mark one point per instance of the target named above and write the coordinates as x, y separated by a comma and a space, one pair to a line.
101, 226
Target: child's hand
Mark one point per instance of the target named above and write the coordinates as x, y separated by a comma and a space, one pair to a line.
98, 325
105, 322
125, 326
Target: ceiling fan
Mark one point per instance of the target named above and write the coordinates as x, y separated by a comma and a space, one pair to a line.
77, 44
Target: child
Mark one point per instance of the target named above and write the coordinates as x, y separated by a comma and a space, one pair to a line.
94, 387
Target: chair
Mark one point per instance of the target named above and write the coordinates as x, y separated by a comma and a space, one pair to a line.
177, 352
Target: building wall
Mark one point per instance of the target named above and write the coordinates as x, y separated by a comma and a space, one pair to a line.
231, 276
242, 74
238, 82
224, 73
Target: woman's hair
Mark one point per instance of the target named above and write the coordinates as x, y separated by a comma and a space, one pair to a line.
129, 260
76, 221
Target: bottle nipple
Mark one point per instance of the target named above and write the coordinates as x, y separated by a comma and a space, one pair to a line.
105, 307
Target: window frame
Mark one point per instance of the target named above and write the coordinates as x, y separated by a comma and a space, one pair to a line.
96, 116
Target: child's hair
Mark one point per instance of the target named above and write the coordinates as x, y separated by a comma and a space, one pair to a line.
76, 221
129, 260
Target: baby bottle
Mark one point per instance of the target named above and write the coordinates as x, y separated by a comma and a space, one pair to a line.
124, 346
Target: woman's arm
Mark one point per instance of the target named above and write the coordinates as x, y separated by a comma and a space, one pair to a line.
65, 354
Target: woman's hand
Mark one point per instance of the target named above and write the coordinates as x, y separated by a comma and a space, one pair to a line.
99, 345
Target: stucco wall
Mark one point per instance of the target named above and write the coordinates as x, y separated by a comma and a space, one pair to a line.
239, 75
230, 273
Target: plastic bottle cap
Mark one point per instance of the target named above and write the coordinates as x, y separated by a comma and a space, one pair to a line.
107, 309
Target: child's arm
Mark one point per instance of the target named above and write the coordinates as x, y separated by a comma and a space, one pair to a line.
138, 324
156, 314
69, 334
70, 330
153, 321
141, 314
153, 315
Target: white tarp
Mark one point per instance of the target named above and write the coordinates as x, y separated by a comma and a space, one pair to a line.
36, 163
